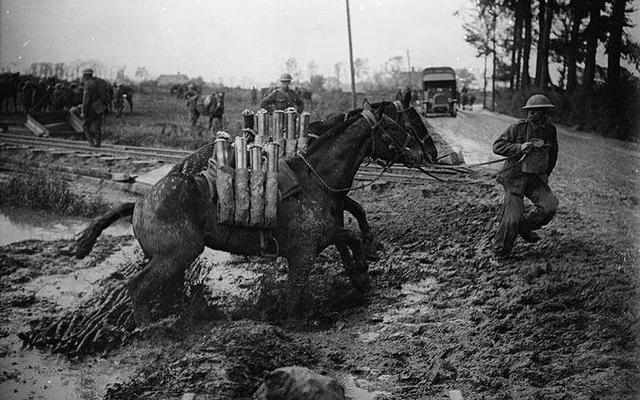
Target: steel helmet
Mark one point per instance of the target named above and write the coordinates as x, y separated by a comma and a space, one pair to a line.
538, 101
87, 71
285, 77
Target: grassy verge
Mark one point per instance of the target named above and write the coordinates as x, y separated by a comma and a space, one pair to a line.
44, 191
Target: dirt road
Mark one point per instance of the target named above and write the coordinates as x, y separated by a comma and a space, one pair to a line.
558, 321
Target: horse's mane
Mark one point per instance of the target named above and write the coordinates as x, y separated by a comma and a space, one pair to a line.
332, 133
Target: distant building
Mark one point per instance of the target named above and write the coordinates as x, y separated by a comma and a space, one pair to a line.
168, 80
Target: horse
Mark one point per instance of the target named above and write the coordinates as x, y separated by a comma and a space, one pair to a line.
122, 94
177, 218
9, 88
467, 100
211, 105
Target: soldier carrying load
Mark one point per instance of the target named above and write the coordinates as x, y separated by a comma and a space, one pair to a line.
283, 97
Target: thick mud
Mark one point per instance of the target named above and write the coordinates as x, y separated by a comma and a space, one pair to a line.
558, 321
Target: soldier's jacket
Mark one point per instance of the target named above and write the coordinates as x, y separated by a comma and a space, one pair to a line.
281, 99
94, 98
508, 145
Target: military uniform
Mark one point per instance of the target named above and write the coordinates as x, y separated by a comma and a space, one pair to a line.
527, 177
281, 99
93, 108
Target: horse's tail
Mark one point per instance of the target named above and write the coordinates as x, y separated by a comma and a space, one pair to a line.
88, 237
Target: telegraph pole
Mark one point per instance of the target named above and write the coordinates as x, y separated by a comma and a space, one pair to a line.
409, 67
493, 75
353, 71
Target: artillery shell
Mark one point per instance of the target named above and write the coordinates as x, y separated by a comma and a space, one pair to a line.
241, 152
303, 122
291, 116
278, 122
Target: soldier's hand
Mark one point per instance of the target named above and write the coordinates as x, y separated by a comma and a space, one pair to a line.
526, 146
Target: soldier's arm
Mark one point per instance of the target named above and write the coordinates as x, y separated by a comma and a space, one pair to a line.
86, 98
268, 101
506, 144
553, 151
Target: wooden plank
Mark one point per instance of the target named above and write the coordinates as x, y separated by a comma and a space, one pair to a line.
75, 122
34, 126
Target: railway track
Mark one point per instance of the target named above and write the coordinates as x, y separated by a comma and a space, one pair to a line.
397, 174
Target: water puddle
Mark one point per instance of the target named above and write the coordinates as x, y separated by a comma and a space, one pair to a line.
17, 224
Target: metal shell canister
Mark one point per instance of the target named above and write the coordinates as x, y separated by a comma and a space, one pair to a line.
291, 115
272, 156
278, 122
255, 157
221, 151
241, 152
303, 124
262, 119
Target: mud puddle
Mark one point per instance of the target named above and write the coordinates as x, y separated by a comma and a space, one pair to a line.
17, 224
34, 374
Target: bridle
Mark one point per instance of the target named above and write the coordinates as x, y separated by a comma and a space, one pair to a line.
375, 125
407, 124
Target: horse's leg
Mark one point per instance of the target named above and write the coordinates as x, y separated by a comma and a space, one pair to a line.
371, 244
357, 268
298, 281
158, 281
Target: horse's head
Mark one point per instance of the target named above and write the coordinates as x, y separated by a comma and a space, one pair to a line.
411, 120
391, 141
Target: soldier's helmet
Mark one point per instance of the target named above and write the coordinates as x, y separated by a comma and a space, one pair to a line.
538, 101
191, 86
87, 72
285, 77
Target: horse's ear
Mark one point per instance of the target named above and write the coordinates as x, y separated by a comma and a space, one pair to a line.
366, 105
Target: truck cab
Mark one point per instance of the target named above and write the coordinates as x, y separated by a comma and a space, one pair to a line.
440, 96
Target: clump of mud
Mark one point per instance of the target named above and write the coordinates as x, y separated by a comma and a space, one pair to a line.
103, 322
226, 362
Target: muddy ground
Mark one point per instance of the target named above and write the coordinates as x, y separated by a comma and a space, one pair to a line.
557, 321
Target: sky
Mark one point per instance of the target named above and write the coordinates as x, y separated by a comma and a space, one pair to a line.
239, 42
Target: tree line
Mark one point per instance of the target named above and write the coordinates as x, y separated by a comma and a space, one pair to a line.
525, 37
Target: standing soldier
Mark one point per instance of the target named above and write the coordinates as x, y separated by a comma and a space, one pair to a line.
532, 145
93, 108
283, 97
254, 95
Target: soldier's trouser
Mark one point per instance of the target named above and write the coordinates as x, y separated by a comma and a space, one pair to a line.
545, 204
92, 127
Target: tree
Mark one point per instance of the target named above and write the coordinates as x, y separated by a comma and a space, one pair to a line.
338, 68
316, 83
465, 76
291, 66
614, 45
312, 69
361, 66
594, 32
545, 21
142, 73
